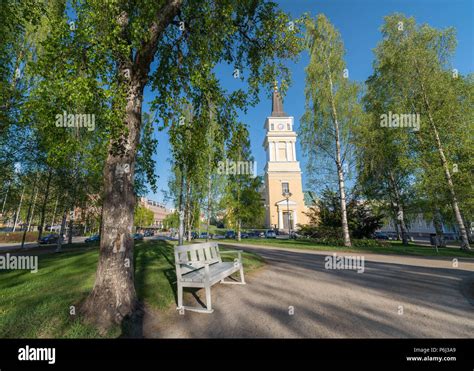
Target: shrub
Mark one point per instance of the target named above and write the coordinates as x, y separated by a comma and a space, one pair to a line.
361, 243
320, 232
364, 242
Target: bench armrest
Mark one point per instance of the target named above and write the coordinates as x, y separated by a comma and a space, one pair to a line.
239, 252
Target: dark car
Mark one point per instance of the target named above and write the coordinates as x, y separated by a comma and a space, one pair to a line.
381, 236
295, 235
94, 238
138, 237
149, 233
49, 239
270, 234
244, 235
203, 235
229, 234
256, 234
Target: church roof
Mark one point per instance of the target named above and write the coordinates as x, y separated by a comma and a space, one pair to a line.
277, 105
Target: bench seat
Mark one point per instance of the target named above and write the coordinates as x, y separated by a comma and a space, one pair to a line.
217, 272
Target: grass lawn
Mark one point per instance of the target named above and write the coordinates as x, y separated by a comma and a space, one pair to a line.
393, 247
37, 305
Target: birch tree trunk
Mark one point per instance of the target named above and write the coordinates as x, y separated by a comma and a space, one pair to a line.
43, 206
180, 209
61, 231
444, 164
400, 210
340, 173
19, 209
5, 200
26, 229
32, 210
188, 210
438, 224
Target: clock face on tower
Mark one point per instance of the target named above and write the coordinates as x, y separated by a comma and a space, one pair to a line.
281, 126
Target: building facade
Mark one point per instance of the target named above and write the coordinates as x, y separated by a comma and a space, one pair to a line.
420, 227
283, 192
159, 212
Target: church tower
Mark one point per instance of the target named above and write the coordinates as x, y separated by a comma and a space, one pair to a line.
284, 199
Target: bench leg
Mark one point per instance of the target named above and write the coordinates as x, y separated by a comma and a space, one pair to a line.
181, 307
242, 278
180, 296
208, 298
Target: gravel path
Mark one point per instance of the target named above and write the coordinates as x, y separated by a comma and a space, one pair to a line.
295, 296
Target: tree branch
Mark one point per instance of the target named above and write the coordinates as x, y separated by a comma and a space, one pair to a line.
146, 53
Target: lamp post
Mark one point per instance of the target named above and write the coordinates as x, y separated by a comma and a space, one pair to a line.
287, 194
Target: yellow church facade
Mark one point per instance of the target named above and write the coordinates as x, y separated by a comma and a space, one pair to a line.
283, 192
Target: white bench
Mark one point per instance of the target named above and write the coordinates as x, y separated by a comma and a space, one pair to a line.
200, 265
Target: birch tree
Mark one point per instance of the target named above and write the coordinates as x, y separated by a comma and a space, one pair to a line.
419, 58
331, 105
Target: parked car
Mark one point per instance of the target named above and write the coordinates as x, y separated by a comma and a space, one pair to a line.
253, 234
194, 235
138, 237
94, 238
270, 234
381, 236
244, 235
48, 239
230, 234
203, 235
218, 237
295, 235
148, 233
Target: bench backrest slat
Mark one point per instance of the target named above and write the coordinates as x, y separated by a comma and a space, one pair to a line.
215, 253
198, 254
202, 256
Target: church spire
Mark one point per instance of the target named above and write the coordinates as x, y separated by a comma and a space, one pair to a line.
277, 105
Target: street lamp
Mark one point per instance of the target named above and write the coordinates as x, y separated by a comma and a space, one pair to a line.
287, 194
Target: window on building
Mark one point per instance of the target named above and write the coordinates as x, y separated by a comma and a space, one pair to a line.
285, 187
288, 126
272, 127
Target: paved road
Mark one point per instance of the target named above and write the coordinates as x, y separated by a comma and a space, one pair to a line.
333, 303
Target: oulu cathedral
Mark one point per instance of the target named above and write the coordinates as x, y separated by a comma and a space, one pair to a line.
283, 193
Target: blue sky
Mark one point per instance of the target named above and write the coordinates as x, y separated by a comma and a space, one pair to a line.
359, 22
